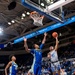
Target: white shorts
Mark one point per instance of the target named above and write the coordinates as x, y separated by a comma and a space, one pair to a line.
31, 71
55, 66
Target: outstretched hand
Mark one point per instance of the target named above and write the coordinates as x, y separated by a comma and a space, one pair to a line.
57, 39
45, 34
25, 39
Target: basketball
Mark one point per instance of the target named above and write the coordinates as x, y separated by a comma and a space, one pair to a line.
55, 34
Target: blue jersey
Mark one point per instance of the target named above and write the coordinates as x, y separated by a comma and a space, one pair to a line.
13, 69
37, 55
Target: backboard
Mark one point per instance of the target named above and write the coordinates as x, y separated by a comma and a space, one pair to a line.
53, 9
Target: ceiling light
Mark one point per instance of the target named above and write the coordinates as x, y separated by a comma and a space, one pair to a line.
9, 23
50, 1
42, 4
22, 18
13, 21
23, 15
28, 13
1, 30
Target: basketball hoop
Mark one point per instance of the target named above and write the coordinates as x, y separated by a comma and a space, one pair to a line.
37, 18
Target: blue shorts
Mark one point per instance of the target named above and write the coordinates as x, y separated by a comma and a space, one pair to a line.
37, 69
12, 74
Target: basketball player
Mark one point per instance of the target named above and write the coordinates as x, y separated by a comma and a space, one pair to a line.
30, 72
37, 55
55, 65
12, 66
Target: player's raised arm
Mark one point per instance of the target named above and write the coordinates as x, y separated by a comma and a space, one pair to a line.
57, 42
8, 65
25, 45
44, 39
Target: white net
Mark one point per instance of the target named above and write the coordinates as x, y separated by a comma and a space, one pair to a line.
37, 19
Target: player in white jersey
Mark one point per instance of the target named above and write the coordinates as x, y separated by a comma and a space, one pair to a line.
30, 72
55, 65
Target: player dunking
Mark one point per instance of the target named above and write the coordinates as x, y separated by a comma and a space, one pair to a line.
12, 66
37, 52
55, 65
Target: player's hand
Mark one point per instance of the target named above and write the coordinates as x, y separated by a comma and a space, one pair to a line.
45, 34
25, 39
57, 39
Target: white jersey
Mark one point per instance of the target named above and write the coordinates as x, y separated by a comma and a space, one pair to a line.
55, 65
32, 67
54, 56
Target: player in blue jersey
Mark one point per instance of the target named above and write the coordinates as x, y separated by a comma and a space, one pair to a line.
12, 66
37, 53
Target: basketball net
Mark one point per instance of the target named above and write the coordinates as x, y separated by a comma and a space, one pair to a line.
37, 18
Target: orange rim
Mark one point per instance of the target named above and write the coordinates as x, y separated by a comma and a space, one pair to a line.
34, 12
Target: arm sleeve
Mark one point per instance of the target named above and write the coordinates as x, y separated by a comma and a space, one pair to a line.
41, 46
